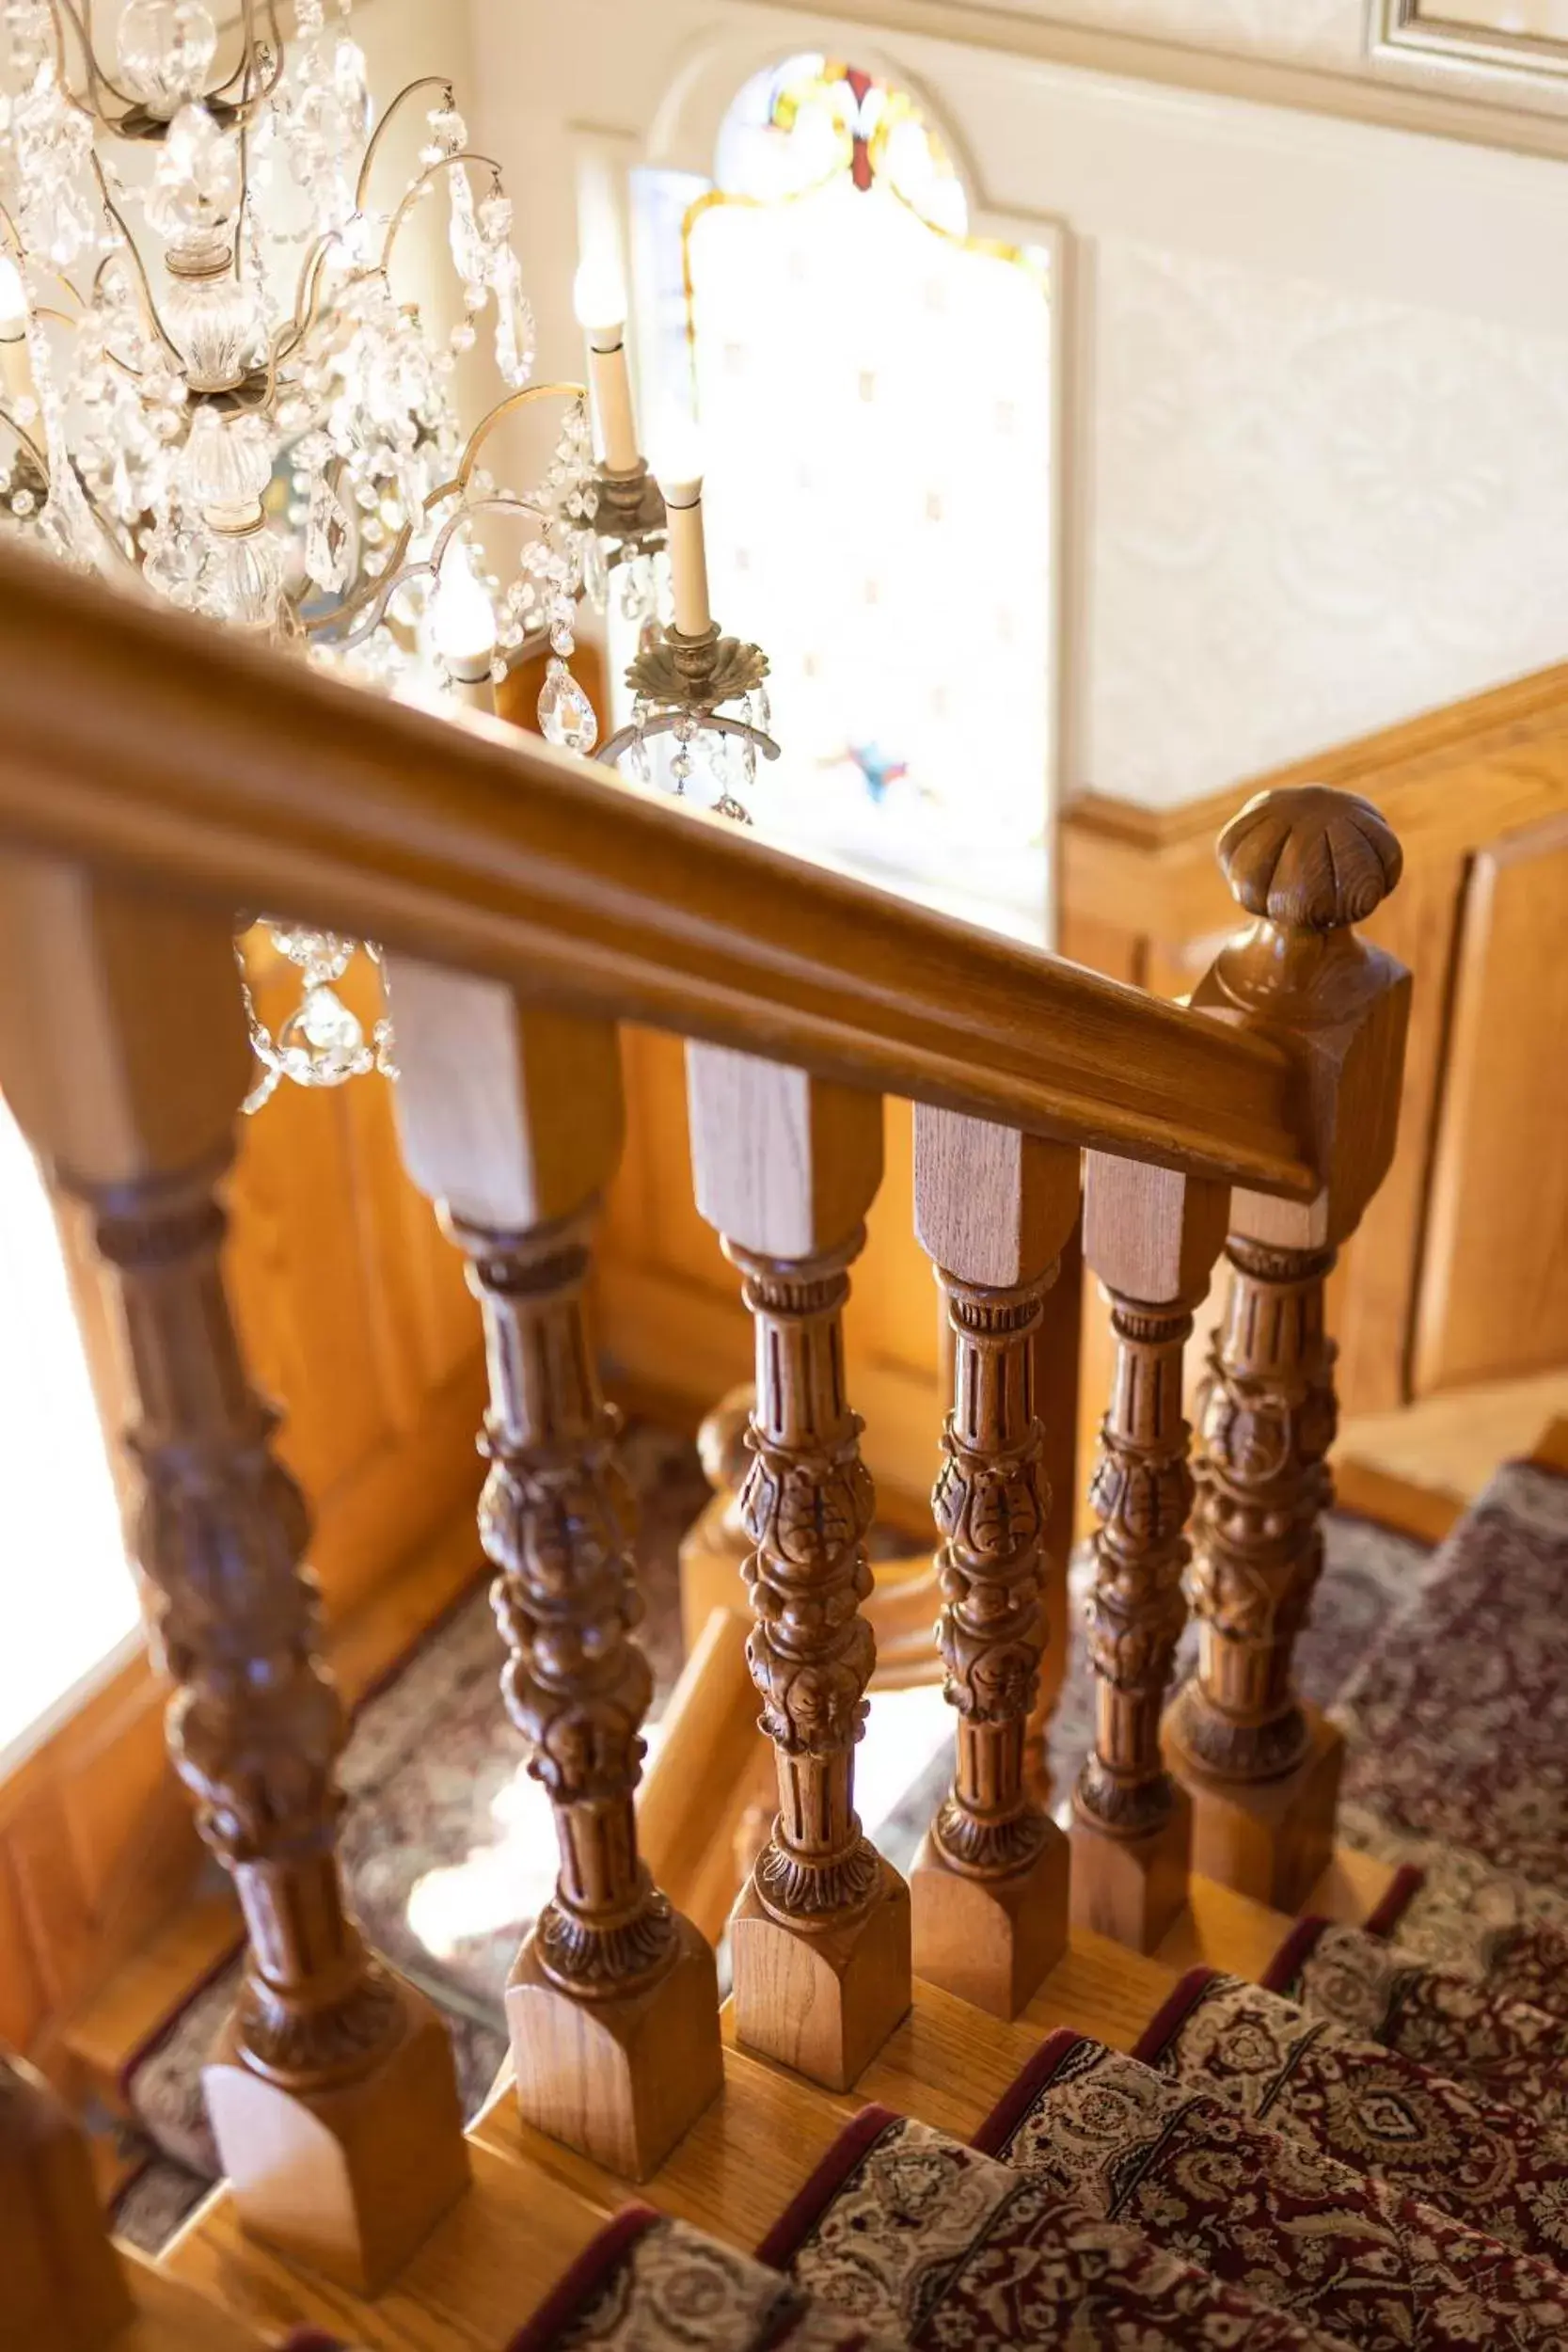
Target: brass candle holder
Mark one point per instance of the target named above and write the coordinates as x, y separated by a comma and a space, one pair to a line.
679, 683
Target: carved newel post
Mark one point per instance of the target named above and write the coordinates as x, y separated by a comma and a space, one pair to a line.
994, 1210
1261, 1766
785, 1168
511, 1119
1150, 1236
124, 1056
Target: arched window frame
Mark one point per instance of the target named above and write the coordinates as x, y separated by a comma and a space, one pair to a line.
679, 133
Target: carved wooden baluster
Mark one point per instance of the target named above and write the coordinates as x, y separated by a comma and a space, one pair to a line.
786, 1166
1151, 1237
1262, 1768
990, 1885
123, 1053
510, 1120
63, 2289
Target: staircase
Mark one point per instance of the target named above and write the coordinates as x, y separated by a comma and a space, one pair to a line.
525, 904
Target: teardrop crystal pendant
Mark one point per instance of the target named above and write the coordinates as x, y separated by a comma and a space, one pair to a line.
566, 713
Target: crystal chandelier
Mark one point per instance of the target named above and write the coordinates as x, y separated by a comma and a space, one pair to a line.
210, 380
214, 386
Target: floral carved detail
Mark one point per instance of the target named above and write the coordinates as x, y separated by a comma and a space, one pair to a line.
990, 1503
254, 1725
1143, 1492
806, 1506
1266, 1421
556, 1520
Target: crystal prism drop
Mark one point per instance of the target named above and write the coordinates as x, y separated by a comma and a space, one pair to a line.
468, 256
327, 537
515, 328
566, 713
595, 576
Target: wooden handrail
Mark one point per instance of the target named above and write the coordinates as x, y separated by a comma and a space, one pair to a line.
136, 737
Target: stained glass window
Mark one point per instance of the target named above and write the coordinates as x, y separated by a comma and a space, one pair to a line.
873, 386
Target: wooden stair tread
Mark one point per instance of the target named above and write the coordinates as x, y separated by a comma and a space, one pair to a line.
171, 2317
946, 2063
536, 2203
485, 2265
1221, 1928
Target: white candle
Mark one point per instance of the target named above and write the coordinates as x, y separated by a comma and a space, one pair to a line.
462, 624
599, 297
15, 368
678, 466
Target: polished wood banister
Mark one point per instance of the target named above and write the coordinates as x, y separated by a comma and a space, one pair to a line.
137, 739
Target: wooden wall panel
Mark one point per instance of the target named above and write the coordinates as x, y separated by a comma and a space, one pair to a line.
1494, 1288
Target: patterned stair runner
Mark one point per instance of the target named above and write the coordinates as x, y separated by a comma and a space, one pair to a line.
1492, 2166
1342, 2250
1456, 1726
912, 2232
1510, 2051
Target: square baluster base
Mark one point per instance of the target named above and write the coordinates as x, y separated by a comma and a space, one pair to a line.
349, 2180
822, 2000
990, 1942
623, 2079
1271, 1839
1132, 1888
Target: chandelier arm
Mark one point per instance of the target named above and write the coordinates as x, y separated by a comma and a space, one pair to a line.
488, 422
663, 722
372, 148
245, 105
416, 187
288, 339
263, 89
82, 23
386, 588
64, 79
136, 263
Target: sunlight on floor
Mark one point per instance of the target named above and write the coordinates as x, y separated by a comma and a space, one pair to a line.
507, 1883
494, 1884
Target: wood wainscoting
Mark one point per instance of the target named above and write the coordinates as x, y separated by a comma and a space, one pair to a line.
1458, 1272
357, 1321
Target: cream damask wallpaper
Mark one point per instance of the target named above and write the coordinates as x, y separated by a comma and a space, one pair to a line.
1312, 514
1315, 476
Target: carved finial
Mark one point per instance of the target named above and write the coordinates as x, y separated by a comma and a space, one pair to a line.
1309, 858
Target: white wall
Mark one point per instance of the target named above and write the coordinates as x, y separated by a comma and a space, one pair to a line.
1319, 455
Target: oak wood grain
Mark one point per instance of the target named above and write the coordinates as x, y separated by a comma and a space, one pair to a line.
212, 767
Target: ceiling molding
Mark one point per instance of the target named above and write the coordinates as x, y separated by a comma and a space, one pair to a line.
1404, 86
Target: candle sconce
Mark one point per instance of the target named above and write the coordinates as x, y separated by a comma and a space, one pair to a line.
680, 683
